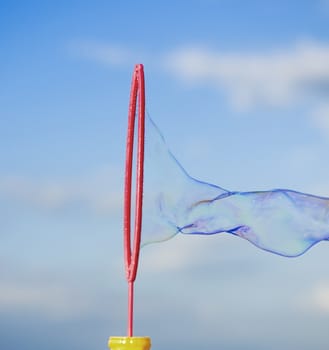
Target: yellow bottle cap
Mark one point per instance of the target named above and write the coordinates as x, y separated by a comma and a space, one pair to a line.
129, 343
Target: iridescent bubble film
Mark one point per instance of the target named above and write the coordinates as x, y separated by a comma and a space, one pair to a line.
280, 221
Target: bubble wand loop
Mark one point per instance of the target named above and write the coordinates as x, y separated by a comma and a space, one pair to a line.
137, 94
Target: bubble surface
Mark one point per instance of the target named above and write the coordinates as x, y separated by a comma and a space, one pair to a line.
280, 221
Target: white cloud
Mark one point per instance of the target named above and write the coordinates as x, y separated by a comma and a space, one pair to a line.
19, 188
35, 288
53, 301
320, 297
321, 117
185, 253
278, 77
176, 256
101, 191
106, 54
315, 299
274, 77
324, 6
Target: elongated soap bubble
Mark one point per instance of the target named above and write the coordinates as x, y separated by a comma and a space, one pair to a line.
280, 221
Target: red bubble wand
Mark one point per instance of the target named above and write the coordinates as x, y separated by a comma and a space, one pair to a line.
132, 248
137, 95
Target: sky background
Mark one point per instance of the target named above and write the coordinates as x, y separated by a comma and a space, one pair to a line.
239, 89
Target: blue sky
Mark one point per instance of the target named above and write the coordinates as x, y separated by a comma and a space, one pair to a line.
239, 89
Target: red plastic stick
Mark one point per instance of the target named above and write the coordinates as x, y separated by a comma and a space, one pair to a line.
132, 255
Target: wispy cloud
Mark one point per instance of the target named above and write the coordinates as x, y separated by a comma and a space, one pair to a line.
55, 294
100, 192
320, 297
321, 117
316, 298
106, 54
54, 302
277, 77
197, 255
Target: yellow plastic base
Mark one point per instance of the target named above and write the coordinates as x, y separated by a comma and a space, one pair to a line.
129, 343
